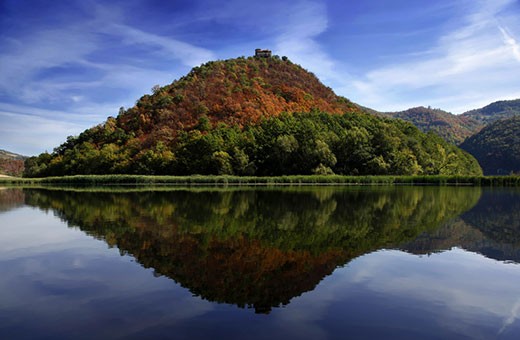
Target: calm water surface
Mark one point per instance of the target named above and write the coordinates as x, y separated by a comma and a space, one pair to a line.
320, 263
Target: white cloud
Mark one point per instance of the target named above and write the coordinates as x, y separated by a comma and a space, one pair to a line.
29, 131
298, 39
189, 55
510, 320
468, 67
462, 292
92, 280
510, 41
17, 236
67, 68
31, 55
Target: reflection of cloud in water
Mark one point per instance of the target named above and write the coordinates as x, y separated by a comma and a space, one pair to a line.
62, 279
512, 317
28, 229
462, 292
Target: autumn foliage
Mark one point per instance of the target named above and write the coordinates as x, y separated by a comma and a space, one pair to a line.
453, 128
254, 116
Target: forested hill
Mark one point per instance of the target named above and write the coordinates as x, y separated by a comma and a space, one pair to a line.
453, 128
497, 147
495, 111
250, 116
235, 92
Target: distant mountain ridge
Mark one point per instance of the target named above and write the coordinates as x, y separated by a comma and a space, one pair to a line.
453, 128
495, 111
490, 133
10, 155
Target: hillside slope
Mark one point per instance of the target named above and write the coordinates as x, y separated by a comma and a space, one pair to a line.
254, 116
497, 147
453, 128
495, 111
11, 164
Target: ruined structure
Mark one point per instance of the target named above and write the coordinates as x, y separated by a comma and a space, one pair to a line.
262, 53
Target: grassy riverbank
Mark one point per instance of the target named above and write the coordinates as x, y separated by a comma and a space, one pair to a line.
277, 180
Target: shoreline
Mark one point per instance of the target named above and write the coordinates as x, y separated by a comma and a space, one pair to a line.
291, 180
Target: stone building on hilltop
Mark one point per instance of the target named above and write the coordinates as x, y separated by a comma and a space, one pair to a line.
262, 53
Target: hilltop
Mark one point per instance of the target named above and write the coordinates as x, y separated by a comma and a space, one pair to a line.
251, 116
236, 92
10, 155
495, 111
497, 146
453, 128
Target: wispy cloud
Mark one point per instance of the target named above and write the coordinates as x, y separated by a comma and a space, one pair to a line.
512, 42
515, 312
472, 298
29, 130
188, 54
106, 56
25, 59
468, 67
30, 135
68, 67
298, 35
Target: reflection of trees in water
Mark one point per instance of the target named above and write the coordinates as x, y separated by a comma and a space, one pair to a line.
491, 228
255, 248
497, 215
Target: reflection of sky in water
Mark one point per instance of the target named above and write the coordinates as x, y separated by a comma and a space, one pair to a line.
58, 282
451, 294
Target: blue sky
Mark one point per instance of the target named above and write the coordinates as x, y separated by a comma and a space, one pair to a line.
66, 65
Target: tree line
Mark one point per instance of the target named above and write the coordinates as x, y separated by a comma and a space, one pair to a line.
288, 144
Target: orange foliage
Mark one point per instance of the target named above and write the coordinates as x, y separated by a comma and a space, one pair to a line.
235, 92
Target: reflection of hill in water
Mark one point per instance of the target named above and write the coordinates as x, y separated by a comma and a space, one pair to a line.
256, 248
497, 215
491, 228
10, 198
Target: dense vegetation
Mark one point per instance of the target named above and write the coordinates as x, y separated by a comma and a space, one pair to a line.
257, 248
452, 128
497, 147
495, 111
226, 117
145, 182
313, 143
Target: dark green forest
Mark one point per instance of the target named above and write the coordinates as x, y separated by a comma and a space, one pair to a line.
497, 147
